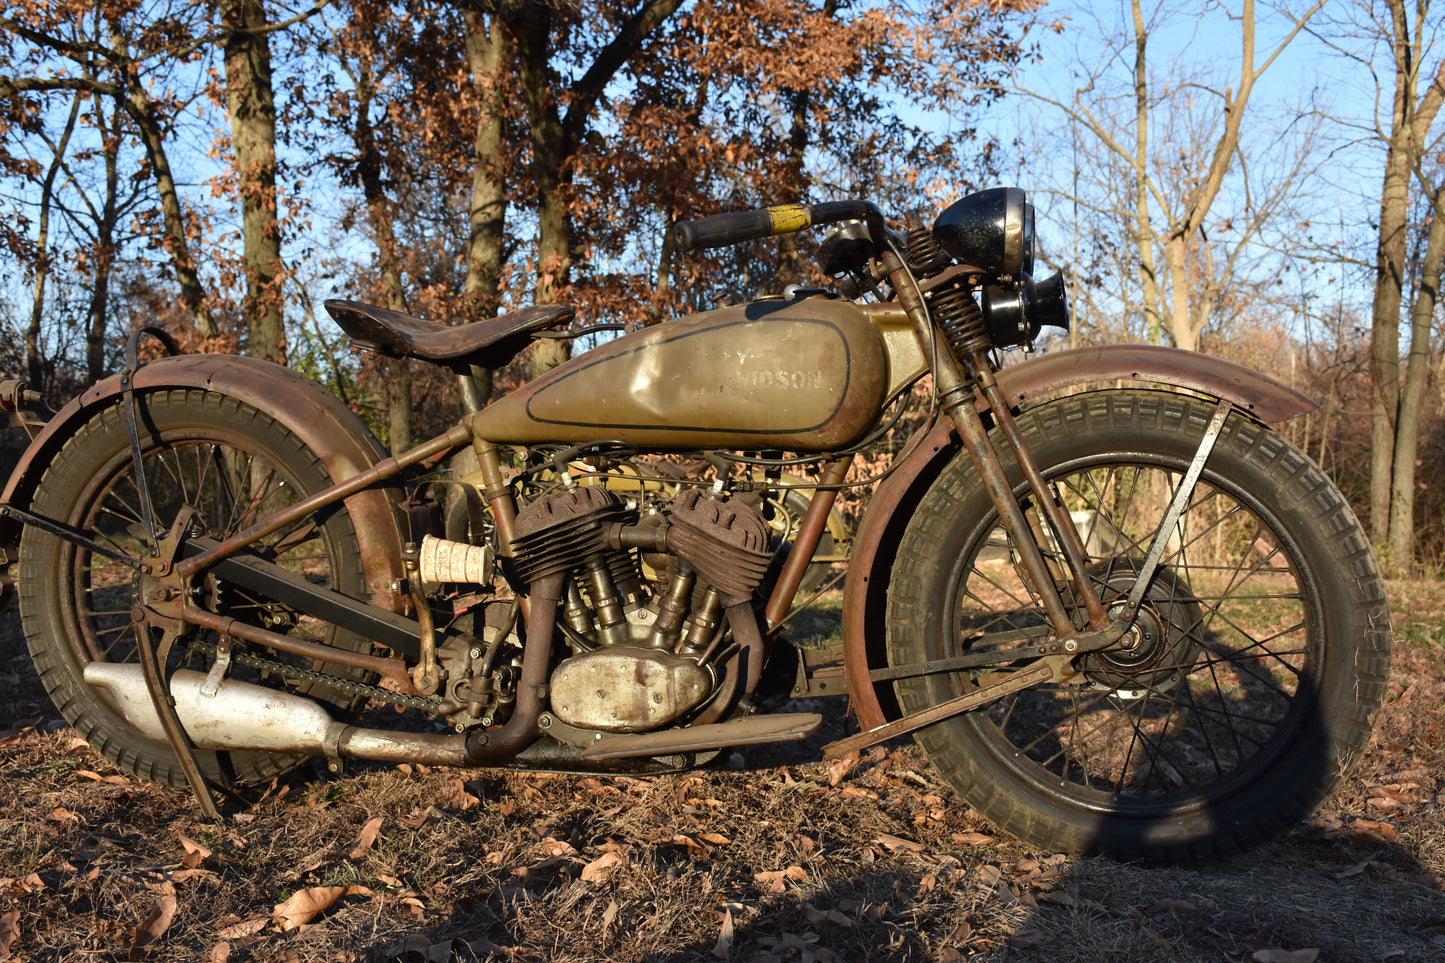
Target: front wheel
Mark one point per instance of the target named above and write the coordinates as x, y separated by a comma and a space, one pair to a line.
1248, 684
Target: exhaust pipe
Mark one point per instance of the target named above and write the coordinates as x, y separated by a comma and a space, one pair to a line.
240, 715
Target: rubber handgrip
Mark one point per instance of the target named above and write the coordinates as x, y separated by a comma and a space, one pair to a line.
720, 230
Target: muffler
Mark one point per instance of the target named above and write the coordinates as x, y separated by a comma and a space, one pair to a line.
240, 715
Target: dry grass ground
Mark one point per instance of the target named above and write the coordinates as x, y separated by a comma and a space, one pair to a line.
781, 858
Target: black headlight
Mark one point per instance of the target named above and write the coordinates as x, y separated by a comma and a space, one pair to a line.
992, 230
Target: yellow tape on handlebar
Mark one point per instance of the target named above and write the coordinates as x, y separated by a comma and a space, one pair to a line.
788, 218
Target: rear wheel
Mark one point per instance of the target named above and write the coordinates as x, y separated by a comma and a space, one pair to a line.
233, 465
1246, 689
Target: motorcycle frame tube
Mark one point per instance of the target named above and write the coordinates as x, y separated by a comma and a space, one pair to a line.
881, 528
440, 446
805, 543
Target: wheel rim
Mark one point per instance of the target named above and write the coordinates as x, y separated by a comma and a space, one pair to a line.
1213, 698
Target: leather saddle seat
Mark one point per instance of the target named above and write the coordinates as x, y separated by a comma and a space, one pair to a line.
490, 343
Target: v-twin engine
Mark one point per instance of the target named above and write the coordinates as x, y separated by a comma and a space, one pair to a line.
645, 657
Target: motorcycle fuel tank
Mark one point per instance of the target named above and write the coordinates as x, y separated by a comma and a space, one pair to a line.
806, 374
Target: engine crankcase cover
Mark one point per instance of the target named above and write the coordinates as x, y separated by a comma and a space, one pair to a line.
626, 688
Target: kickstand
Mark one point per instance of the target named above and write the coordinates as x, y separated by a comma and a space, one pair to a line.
165, 708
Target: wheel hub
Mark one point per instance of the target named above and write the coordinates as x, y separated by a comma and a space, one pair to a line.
1160, 647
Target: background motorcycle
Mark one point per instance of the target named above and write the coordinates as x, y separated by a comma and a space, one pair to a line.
1128, 620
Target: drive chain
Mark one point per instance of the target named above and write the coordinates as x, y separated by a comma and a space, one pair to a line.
346, 686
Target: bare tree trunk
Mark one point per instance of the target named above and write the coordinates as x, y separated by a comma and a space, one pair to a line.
251, 101
555, 138
395, 372
1407, 436
98, 312
486, 50
142, 111
1143, 230
1410, 122
34, 364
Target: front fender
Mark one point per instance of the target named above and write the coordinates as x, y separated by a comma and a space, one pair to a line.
316, 416
876, 541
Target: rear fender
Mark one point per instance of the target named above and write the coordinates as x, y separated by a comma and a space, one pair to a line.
316, 416
876, 542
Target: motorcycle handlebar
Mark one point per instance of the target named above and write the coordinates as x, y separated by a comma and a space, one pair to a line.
722, 230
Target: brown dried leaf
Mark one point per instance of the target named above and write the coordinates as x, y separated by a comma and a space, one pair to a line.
723, 948
597, 870
841, 767
1371, 832
717, 839
368, 836
307, 904
221, 952
458, 797
191, 846
154, 927
609, 915
26, 884
243, 929
819, 918
776, 880
897, 842
9, 932
972, 839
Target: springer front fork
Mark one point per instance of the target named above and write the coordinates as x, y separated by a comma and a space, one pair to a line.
957, 379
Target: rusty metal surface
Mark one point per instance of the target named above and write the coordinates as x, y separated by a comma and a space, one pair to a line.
490, 343
1261, 396
877, 537
317, 417
387, 668
803, 375
747, 731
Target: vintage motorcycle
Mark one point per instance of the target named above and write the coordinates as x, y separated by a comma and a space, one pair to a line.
1120, 613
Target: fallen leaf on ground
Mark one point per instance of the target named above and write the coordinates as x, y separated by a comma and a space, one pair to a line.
723, 948
841, 767
972, 839
154, 926
368, 836
9, 932
191, 846
597, 870
898, 842
244, 928
24, 885
817, 917
307, 904
776, 879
